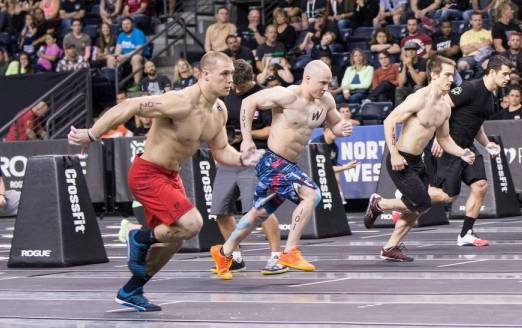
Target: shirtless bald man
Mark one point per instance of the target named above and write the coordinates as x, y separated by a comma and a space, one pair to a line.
182, 121
296, 111
422, 114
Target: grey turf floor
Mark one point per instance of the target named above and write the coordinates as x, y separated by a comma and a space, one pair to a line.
446, 285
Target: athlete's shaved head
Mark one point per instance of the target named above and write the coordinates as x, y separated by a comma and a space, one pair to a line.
316, 77
316, 68
212, 59
216, 73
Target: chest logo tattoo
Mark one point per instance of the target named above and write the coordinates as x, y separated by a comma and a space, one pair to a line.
456, 91
316, 115
219, 108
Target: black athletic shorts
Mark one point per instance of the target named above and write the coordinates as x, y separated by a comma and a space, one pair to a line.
452, 170
412, 182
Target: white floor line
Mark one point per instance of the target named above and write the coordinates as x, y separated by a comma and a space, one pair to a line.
369, 305
373, 236
254, 249
467, 262
9, 278
134, 310
319, 282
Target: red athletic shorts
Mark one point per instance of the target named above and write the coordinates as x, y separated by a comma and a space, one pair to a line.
159, 190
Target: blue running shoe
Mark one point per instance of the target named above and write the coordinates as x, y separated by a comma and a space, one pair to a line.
137, 254
136, 300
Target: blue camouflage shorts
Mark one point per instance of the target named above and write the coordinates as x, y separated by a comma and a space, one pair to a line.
279, 179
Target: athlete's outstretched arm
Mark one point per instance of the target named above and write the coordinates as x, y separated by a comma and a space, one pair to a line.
227, 155
165, 105
400, 114
448, 144
492, 148
263, 100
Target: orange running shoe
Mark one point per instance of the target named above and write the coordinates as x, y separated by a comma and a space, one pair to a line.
295, 260
223, 263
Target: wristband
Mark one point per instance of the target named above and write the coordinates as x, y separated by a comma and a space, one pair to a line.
241, 161
90, 135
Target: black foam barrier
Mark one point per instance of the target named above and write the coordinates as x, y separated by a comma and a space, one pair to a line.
501, 199
386, 188
511, 133
56, 224
197, 175
328, 218
14, 156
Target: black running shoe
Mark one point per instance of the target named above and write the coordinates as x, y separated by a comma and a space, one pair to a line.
372, 211
395, 254
235, 267
136, 300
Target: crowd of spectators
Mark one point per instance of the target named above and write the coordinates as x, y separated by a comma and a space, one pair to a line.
377, 49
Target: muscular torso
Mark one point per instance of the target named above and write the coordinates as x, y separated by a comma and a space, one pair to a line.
293, 125
418, 129
171, 142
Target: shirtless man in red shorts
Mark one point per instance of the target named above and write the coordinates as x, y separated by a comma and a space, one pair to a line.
182, 121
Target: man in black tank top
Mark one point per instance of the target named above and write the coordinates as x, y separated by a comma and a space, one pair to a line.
473, 103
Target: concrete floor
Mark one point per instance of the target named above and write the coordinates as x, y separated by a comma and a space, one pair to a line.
446, 285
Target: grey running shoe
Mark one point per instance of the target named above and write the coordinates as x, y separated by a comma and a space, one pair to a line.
272, 267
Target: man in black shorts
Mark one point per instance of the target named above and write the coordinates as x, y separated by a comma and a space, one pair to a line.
472, 102
423, 114
232, 183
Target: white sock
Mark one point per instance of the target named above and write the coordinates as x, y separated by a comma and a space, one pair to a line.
236, 255
275, 255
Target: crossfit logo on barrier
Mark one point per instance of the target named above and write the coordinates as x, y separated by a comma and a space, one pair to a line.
501, 175
77, 213
326, 195
83, 162
137, 147
204, 167
36, 253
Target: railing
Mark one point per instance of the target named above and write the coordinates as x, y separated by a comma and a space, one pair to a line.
69, 102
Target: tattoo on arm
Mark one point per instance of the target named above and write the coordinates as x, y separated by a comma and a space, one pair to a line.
243, 119
147, 106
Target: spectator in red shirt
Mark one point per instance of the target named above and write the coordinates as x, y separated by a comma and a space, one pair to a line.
29, 126
422, 39
137, 10
385, 79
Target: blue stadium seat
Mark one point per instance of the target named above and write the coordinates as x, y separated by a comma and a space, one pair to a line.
4, 39
91, 31
486, 24
115, 29
362, 33
337, 47
374, 112
343, 24
459, 27
344, 34
355, 108
398, 31
341, 59
358, 44
95, 10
